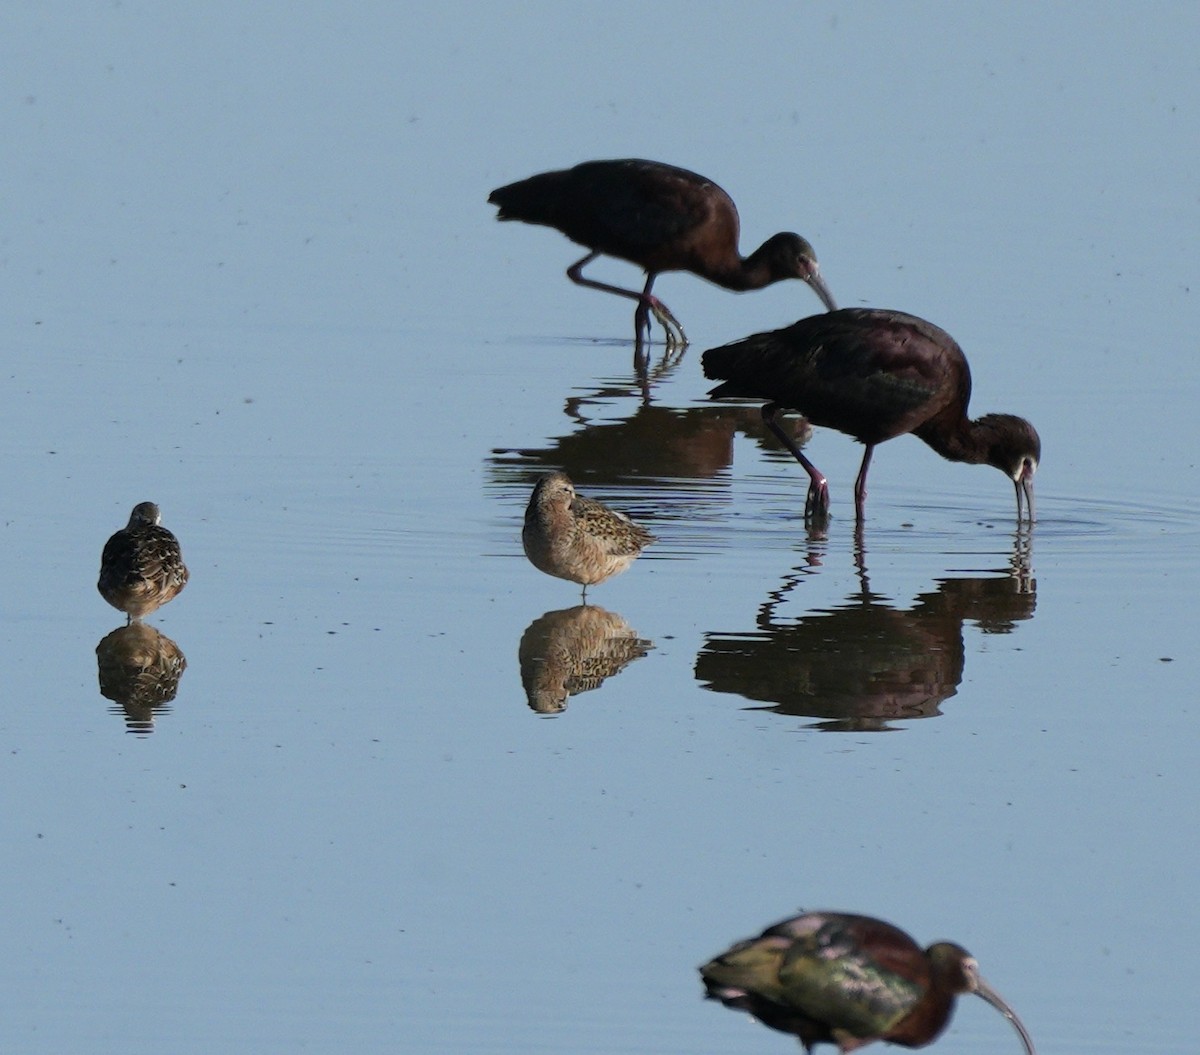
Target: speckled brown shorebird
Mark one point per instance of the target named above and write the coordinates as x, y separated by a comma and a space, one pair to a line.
577, 538
141, 568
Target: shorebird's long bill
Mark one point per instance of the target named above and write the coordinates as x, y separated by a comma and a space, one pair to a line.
817, 283
992, 997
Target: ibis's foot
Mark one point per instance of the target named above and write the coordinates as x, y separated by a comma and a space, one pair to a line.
672, 330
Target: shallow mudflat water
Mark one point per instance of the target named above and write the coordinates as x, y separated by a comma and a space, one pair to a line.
391, 788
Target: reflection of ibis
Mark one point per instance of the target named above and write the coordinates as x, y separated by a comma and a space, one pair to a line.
661, 218
875, 375
866, 662
848, 980
673, 446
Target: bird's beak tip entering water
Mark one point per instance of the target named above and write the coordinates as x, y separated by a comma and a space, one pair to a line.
1023, 481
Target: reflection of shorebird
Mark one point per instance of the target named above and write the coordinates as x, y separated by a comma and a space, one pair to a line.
577, 538
571, 651
139, 669
837, 978
875, 375
661, 218
141, 568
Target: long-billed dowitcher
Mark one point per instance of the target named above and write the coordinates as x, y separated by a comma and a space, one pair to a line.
577, 538
141, 568
661, 218
874, 374
832, 977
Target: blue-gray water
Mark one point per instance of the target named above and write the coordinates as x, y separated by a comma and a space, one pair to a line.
249, 272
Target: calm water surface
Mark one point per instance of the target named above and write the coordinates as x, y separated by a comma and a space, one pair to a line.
250, 274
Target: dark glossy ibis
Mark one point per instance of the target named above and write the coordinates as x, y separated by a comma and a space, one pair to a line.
141, 568
661, 218
831, 977
874, 374
577, 538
